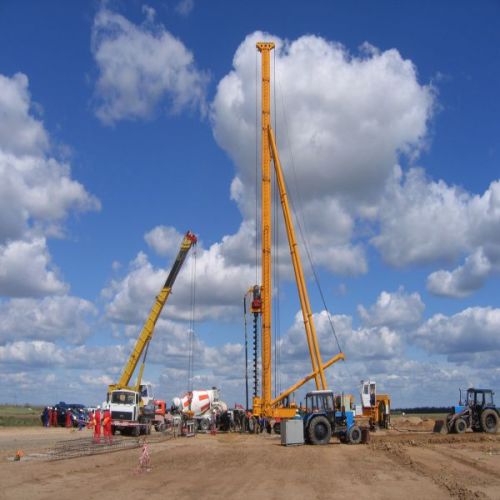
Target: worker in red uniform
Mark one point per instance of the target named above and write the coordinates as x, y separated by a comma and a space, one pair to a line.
97, 425
106, 425
54, 417
68, 417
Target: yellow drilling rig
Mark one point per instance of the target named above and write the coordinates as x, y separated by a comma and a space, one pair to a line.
265, 405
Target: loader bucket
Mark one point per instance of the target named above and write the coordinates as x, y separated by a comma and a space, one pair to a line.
440, 427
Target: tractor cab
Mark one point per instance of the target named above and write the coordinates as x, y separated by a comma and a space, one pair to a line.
476, 410
481, 398
320, 402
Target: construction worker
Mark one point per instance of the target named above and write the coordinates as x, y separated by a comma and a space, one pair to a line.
81, 419
54, 417
90, 421
97, 425
106, 425
68, 418
49, 414
45, 417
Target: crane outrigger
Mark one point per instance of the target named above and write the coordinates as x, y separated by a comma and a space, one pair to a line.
265, 405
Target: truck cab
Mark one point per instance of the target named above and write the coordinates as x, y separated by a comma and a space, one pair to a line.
132, 411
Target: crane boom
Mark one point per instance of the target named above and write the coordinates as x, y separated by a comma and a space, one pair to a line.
148, 329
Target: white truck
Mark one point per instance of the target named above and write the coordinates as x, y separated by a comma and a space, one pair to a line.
200, 405
132, 412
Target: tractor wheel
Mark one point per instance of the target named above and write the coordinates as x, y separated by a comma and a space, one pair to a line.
489, 421
319, 431
354, 435
460, 425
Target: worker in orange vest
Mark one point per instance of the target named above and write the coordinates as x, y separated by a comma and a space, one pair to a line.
68, 417
106, 424
90, 423
97, 425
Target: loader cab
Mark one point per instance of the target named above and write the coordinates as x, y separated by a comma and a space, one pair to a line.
368, 393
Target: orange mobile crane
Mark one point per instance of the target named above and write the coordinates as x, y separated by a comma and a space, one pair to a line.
264, 405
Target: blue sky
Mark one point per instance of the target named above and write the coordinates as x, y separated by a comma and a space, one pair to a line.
123, 124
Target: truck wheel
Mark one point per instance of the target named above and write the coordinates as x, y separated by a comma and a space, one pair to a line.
381, 415
204, 424
489, 421
460, 426
320, 430
252, 425
354, 435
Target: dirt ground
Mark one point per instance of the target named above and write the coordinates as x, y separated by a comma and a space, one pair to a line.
408, 463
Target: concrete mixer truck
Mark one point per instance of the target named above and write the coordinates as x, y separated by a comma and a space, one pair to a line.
200, 405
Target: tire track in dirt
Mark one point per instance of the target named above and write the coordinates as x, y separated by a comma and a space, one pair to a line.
454, 484
473, 464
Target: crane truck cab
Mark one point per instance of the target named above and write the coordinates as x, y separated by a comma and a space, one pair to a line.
322, 420
132, 411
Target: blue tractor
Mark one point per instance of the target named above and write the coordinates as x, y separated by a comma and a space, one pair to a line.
476, 411
323, 419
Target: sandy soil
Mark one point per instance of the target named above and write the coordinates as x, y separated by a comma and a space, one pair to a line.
394, 465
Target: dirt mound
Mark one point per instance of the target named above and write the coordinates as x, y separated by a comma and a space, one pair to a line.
412, 422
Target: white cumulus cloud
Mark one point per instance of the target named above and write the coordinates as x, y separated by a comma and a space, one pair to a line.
472, 330
37, 194
362, 112
164, 240
64, 318
425, 221
141, 66
220, 286
396, 310
26, 270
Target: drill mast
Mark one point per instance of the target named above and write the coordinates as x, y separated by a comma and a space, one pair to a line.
265, 405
